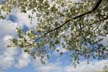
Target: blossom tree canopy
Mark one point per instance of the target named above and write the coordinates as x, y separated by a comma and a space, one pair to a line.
77, 26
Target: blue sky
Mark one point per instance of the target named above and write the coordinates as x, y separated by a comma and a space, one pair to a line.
15, 60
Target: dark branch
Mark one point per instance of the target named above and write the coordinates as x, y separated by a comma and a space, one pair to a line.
83, 14
94, 8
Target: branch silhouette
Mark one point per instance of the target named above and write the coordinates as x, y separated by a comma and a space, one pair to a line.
76, 17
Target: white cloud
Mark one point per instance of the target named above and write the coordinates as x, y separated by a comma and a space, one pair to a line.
7, 59
23, 60
6, 28
6, 54
48, 67
84, 67
23, 18
95, 66
9, 56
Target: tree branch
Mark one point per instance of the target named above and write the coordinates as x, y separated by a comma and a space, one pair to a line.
94, 8
83, 14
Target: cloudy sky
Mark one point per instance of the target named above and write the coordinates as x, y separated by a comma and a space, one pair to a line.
15, 60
